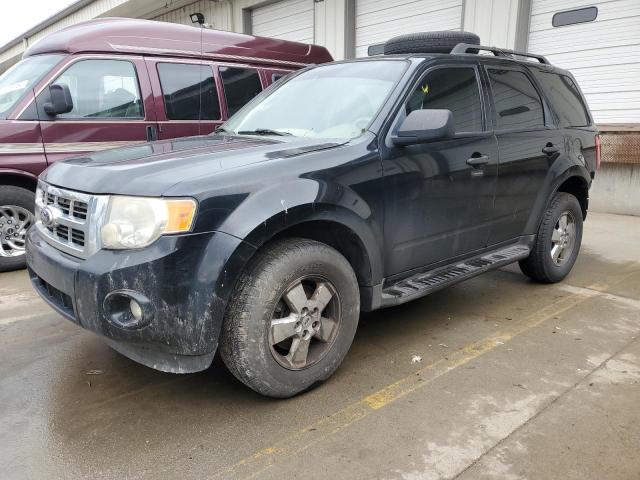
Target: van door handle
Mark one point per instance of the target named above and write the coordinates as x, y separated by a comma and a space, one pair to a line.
152, 133
477, 160
550, 149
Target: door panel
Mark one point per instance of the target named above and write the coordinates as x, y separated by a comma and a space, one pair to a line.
523, 129
187, 97
437, 205
113, 107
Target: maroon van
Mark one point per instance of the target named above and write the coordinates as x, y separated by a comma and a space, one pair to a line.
113, 82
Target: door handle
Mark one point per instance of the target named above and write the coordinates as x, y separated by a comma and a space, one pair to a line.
478, 160
550, 149
152, 133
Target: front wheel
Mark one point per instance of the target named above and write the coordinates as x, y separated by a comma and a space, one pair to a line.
558, 241
16, 216
291, 319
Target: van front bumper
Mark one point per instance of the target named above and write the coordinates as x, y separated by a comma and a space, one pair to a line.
181, 284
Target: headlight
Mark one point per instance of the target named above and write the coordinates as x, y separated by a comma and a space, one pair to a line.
135, 222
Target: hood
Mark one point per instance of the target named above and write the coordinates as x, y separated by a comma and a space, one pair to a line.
150, 169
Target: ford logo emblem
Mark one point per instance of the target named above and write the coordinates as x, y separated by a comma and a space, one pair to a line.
47, 216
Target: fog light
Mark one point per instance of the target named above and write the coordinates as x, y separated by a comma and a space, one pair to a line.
128, 309
136, 310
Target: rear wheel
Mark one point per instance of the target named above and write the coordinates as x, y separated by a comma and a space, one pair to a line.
291, 319
558, 241
16, 216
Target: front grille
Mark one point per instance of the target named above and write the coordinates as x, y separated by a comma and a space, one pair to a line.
72, 230
61, 232
59, 299
73, 208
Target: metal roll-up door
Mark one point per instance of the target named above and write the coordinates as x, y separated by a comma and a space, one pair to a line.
288, 19
379, 20
603, 54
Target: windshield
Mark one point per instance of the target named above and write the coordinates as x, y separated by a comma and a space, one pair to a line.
22, 77
330, 101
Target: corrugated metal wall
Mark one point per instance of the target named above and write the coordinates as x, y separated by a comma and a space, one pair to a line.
379, 20
216, 14
288, 20
604, 55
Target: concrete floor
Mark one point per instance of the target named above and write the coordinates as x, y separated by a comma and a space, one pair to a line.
516, 381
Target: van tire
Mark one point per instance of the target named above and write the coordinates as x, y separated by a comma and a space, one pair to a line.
429, 42
540, 265
247, 344
24, 200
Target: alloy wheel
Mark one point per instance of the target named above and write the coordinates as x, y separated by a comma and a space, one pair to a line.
305, 323
14, 222
563, 238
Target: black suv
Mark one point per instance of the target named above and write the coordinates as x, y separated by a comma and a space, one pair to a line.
348, 186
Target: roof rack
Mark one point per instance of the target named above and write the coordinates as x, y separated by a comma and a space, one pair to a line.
463, 48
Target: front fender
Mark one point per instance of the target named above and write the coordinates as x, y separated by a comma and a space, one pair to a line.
274, 209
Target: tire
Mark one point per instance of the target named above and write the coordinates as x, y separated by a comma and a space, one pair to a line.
429, 42
15, 204
247, 341
540, 265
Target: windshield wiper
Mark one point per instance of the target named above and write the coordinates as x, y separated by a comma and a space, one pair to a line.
263, 131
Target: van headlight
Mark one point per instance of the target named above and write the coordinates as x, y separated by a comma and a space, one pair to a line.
136, 222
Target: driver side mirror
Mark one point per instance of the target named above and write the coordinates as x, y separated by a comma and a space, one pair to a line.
422, 126
60, 100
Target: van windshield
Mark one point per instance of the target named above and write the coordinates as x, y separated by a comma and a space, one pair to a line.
330, 101
22, 77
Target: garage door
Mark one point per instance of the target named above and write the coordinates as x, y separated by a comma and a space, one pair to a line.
603, 54
287, 19
379, 20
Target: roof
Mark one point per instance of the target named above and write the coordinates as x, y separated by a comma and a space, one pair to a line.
126, 35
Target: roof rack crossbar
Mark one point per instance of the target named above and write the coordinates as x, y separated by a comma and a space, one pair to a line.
462, 48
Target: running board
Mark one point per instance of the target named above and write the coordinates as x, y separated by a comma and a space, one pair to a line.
423, 283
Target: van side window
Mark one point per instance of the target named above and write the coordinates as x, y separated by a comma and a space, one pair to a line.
189, 91
102, 89
518, 105
240, 86
454, 89
565, 98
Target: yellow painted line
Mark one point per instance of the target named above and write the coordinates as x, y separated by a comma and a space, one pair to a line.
255, 464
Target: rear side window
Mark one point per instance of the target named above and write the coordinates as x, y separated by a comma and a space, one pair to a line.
565, 98
518, 105
102, 89
454, 89
240, 86
189, 91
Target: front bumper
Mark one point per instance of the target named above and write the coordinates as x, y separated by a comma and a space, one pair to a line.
184, 279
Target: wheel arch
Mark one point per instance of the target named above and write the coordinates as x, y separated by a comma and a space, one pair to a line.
577, 186
335, 226
18, 178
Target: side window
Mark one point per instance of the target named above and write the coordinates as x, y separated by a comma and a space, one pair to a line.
565, 98
102, 89
240, 86
189, 91
518, 105
454, 89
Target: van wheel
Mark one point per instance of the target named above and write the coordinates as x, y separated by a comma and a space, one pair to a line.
558, 241
16, 216
291, 318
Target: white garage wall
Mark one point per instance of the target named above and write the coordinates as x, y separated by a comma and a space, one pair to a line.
379, 20
604, 55
286, 19
216, 14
